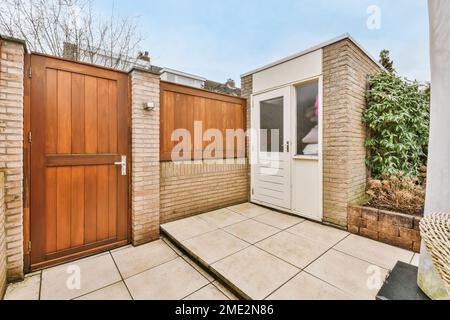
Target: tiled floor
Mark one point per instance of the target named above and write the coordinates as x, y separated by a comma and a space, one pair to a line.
260, 253
263, 254
153, 271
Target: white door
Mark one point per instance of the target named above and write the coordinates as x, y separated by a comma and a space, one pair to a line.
271, 154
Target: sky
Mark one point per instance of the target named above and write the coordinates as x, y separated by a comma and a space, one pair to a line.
224, 39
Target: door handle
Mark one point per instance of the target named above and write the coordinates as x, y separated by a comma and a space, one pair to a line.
123, 164
287, 146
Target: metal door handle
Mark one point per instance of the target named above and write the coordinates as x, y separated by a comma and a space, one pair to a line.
123, 164
287, 146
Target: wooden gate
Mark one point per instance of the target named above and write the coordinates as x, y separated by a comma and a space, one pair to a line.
79, 134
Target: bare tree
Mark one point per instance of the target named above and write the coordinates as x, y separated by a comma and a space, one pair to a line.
71, 29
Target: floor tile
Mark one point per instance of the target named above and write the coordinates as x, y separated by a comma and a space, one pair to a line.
95, 273
198, 268
327, 235
28, 289
307, 287
134, 260
278, 220
222, 218
230, 295
187, 228
172, 246
415, 260
171, 281
251, 231
254, 272
356, 277
117, 291
210, 292
375, 252
294, 249
214, 246
249, 210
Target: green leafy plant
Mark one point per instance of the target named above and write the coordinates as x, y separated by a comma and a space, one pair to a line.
386, 61
398, 119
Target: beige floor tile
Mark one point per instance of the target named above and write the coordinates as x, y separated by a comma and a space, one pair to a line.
171, 281
278, 220
307, 287
356, 277
251, 231
95, 273
255, 273
198, 268
210, 292
214, 246
187, 228
134, 260
222, 218
172, 246
225, 291
117, 291
415, 260
375, 252
294, 249
327, 235
28, 289
249, 210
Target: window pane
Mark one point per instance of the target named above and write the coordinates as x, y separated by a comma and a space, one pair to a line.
307, 118
271, 118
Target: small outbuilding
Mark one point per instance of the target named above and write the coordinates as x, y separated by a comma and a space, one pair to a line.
315, 98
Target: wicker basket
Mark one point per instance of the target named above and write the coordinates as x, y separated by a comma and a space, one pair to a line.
435, 231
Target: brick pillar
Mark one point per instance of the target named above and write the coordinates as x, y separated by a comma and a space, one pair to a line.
246, 92
145, 157
11, 149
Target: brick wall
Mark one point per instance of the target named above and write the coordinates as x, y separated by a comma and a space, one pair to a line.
2, 236
345, 71
190, 188
145, 157
394, 228
11, 150
246, 92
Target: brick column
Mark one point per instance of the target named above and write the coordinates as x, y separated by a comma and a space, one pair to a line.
145, 157
11, 149
246, 92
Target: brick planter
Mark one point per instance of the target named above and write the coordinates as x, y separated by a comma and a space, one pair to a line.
390, 227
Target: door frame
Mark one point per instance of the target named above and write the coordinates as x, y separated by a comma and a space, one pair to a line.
292, 138
267, 95
27, 77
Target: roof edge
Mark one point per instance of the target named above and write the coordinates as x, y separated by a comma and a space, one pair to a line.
312, 49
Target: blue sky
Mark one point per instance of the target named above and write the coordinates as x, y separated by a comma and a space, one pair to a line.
223, 39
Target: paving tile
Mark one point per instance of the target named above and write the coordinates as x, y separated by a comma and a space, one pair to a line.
172, 246
222, 218
278, 220
254, 273
173, 280
187, 228
134, 260
214, 246
251, 231
249, 210
294, 249
210, 292
117, 291
198, 268
375, 252
327, 235
28, 289
225, 291
307, 287
95, 273
415, 260
356, 277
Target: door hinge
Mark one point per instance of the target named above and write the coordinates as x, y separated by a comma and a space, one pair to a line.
29, 246
29, 137
30, 72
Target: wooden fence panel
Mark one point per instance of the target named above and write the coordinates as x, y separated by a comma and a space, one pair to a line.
182, 106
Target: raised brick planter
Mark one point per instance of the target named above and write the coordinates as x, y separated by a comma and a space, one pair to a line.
390, 227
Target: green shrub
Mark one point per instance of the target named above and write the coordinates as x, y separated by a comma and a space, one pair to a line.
398, 119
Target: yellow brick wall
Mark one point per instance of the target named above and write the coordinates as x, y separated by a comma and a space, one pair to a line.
190, 188
2, 237
345, 72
